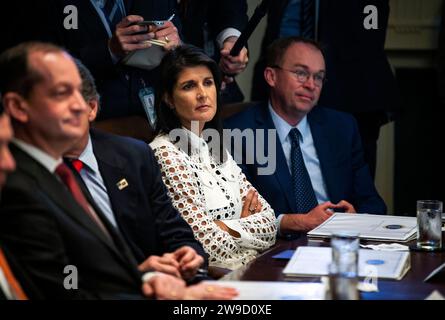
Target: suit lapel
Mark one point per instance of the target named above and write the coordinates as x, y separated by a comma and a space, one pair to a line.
115, 233
326, 153
264, 121
56, 193
112, 168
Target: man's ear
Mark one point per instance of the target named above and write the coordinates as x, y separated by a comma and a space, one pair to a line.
270, 76
16, 106
94, 108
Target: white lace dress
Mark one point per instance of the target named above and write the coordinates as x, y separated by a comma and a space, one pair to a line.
204, 191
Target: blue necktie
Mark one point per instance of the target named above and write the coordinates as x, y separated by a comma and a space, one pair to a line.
308, 19
304, 193
113, 13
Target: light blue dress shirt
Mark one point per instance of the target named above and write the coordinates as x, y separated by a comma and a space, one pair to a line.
308, 150
95, 183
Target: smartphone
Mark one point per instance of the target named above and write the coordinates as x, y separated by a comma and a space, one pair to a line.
156, 23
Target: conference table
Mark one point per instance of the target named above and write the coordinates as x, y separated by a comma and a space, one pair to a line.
411, 287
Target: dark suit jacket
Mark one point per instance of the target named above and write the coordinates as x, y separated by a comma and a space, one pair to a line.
143, 210
217, 14
441, 58
45, 229
118, 85
359, 75
22, 277
213, 16
338, 147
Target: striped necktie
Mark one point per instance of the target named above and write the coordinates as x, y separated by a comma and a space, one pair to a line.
308, 19
304, 193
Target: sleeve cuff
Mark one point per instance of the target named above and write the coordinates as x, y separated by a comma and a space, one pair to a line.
148, 275
226, 33
278, 222
246, 238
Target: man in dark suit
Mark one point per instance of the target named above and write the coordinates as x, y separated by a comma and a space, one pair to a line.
124, 179
319, 164
100, 42
55, 231
360, 80
215, 26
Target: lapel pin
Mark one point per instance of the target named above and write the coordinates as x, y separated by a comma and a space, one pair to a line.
122, 184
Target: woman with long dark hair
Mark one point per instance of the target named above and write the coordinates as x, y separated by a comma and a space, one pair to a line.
227, 215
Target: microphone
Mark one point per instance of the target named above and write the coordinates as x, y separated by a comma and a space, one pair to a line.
259, 13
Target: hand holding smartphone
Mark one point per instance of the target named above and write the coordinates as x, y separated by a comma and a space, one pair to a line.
156, 23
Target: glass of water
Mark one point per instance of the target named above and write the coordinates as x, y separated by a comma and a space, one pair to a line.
345, 246
429, 225
343, 270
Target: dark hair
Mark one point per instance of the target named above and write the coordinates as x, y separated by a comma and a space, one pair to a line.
16, 74
89, 89
277, 49
173, 63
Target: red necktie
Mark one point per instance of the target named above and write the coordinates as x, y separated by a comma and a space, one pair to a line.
69, 180
12, 281
77, 164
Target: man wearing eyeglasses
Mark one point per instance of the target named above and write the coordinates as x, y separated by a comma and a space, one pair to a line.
319, 158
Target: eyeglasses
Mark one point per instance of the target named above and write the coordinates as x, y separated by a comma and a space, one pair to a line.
302, 75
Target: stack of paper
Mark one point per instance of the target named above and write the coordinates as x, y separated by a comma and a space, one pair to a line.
275, 290
369, 226
314, 261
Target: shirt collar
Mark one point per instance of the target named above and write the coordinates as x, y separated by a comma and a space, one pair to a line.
100, 3
39, 155
88, 158
283, 128
197, 143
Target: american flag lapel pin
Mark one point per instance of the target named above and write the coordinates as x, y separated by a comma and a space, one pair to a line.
122, 184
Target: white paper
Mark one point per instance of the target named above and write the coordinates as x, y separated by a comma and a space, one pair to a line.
435, 295
386, 247
275, 290
314, 261
369, 226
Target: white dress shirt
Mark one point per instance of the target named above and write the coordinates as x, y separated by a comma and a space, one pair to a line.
40, 156
4, 286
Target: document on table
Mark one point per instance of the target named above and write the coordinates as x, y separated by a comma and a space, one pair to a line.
275, 290
369, 226
314, 261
